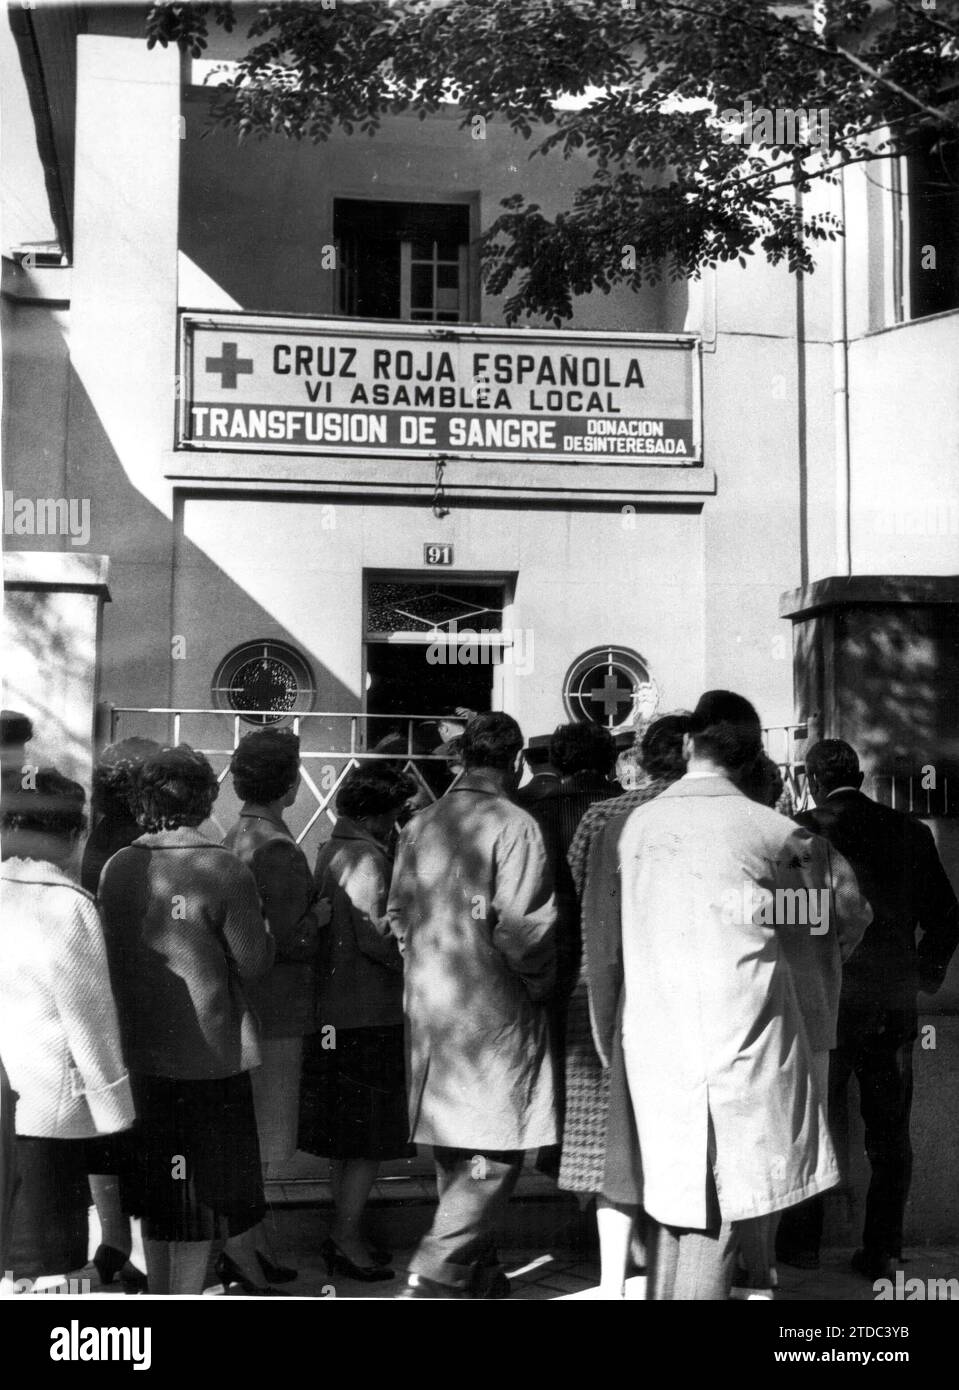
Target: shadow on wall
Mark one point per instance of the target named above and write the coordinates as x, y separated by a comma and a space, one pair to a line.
901, 669
886, 679
235, 199
48, 674
136, 664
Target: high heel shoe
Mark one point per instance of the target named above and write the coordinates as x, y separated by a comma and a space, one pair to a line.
110, 1262
228, 1272
275, 1274
338, 1263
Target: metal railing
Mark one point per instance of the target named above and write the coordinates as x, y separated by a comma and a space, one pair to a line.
337, 757
332, 742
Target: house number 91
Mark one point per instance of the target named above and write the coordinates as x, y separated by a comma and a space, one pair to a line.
438, 554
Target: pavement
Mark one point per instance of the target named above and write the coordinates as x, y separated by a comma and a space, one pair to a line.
543, 1261
538, 1275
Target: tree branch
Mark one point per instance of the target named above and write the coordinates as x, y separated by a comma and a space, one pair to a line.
823, 50
941, 116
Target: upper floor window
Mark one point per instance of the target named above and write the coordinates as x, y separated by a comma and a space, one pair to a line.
402, 260
926, 195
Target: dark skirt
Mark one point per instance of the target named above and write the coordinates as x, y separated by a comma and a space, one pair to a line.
353, 1095
109, 1154
195, 1159
50, 1206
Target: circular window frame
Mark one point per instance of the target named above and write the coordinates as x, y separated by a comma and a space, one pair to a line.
273, 650
645, 699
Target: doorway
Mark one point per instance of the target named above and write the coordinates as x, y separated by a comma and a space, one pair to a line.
432, 648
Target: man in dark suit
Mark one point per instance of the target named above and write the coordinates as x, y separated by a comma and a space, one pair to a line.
895, 860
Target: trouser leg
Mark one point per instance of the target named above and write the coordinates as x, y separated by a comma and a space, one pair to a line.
662, 1253
884, 1072
685, 1265
690, 1266
800, 1231
474, 1190
754, 1240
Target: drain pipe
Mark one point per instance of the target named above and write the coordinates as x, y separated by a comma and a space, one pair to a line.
840, 360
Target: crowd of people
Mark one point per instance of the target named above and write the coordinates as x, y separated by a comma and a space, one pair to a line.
655, 988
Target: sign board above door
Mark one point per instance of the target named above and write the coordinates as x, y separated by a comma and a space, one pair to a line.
348, 388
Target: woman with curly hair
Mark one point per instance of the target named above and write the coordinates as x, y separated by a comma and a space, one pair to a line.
184, 929
112, 804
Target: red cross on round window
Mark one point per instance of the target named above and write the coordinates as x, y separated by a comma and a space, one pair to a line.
609, 686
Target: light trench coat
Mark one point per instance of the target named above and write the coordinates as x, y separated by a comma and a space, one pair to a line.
717, 1053
472, 907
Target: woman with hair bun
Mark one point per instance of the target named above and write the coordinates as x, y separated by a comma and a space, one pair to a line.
353, 1103
116, 827
184, 929
112, 803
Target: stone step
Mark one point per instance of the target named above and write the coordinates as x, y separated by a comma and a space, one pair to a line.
401, 1208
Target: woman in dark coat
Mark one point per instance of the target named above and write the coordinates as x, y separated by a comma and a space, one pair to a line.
353, 1106
184, 929
113, 805
266, 776
115, 828
582, 756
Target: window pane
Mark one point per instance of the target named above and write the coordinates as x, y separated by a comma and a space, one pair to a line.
421, 286
423, 249
448, 251
933, 189
396, 607
448, 277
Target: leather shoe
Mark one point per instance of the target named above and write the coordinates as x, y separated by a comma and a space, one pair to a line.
495, 1285
420, 1287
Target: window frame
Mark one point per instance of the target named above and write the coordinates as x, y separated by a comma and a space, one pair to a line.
470, 284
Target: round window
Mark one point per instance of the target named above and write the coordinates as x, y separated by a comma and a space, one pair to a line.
610, 686
265, 682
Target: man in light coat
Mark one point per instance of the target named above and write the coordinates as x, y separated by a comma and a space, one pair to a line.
473, 910
729, 1109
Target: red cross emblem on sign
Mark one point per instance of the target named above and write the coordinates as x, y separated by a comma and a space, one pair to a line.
230, 366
